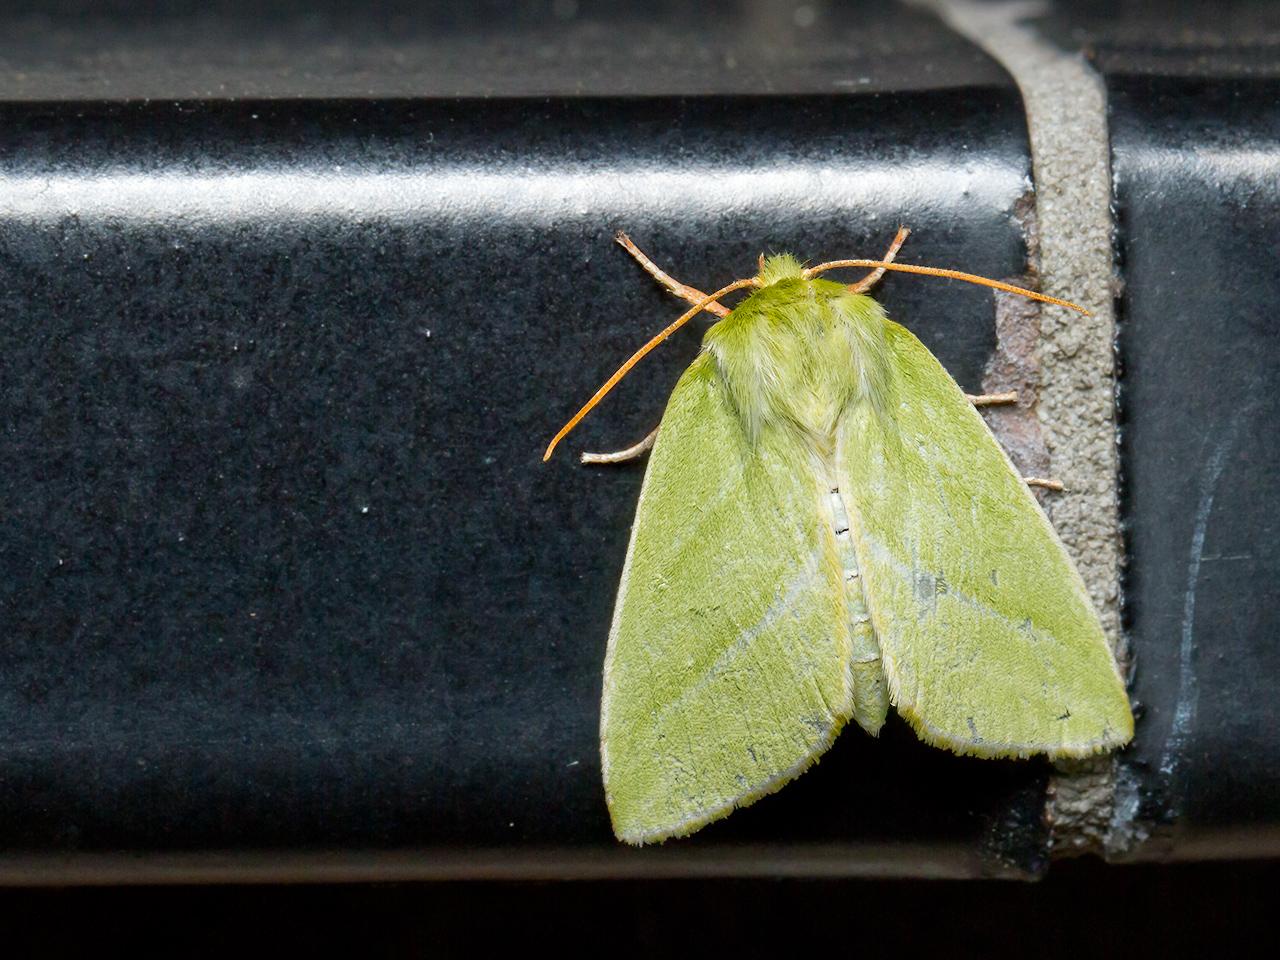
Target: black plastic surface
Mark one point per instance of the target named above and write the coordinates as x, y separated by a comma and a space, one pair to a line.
70, 50
282, 566
1199, 204
292, 296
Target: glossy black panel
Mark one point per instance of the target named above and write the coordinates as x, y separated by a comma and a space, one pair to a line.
197, 49
1210, 39
281, 564
1196, 166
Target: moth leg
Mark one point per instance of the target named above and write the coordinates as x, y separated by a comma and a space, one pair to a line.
872, 278
992, 399
681, 290
623, 456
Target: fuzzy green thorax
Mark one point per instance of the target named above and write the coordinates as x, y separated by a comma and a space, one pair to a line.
801, 352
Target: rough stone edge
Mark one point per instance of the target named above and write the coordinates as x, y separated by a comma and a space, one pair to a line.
1066, 108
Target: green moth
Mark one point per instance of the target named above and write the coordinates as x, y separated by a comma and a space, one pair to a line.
826, 528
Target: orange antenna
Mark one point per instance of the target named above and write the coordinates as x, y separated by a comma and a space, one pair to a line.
639, 355
949, 274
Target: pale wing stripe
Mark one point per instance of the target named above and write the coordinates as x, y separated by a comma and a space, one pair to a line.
706, 511
888, 652
909, 575
805, 577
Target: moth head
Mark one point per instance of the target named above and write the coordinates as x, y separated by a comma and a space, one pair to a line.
779, 266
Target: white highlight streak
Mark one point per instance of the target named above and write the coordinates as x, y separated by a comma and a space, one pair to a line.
1184, 714
528, 194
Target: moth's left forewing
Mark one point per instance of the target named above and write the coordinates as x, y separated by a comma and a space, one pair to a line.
728, 668
988, 638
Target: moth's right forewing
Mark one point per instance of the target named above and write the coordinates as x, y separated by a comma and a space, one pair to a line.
727, 672
988, 638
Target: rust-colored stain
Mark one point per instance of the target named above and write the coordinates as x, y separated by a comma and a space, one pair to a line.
1015, 366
